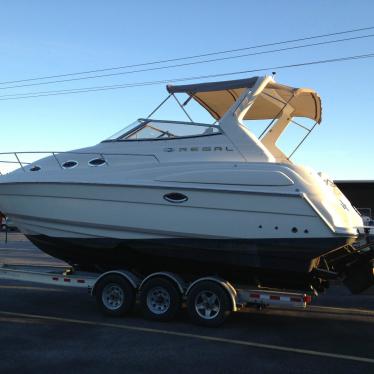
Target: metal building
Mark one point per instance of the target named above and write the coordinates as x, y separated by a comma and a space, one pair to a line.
360, 194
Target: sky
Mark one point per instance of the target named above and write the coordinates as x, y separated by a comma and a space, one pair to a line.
42, 38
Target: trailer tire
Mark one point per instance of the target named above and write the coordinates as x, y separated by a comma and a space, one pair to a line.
160, 299
115, 296
208, 304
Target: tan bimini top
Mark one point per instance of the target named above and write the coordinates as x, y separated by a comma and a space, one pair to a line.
218, 97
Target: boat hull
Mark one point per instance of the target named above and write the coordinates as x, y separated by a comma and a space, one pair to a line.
237, 234
233, 259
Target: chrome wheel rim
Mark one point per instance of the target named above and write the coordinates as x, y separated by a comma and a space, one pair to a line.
112, 296
158, 300
207, 305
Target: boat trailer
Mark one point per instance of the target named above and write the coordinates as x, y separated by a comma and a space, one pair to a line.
209, 300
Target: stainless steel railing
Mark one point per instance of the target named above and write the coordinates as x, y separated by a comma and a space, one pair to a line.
17, 158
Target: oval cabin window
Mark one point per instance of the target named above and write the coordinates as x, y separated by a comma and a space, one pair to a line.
69, 164
97, 162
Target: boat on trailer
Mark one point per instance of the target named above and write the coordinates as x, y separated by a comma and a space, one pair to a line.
196, 198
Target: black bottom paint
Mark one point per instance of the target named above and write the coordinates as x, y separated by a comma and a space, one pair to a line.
238, 260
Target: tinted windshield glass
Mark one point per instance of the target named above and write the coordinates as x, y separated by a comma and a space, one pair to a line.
127, 129
151, 129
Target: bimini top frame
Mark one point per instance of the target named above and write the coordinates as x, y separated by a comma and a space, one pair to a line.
256, 98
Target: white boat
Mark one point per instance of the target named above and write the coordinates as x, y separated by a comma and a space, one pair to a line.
190, 197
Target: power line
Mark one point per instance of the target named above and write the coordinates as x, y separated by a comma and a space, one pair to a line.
191, 63
165, 81
193, 56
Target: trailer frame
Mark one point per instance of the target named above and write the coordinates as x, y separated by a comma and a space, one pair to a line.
240, 296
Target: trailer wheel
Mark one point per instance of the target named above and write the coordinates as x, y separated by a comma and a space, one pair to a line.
208, 304
114, 295
160, 299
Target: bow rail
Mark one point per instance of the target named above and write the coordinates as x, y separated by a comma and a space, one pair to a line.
23, 159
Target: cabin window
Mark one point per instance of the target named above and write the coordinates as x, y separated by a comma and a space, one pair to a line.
69, 164
97, 162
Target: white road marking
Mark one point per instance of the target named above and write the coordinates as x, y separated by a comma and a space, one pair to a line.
31, 288
327, 310
23, 249
195, 336
34, 264
343, 310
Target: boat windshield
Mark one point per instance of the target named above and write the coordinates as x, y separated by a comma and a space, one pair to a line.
149, 129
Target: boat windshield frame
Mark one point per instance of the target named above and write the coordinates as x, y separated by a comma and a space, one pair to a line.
144, 121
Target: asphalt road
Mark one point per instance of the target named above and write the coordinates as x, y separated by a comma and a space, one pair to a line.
59, 330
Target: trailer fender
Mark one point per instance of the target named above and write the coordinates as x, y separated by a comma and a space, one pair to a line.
130, 277
175, 278
223, 283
